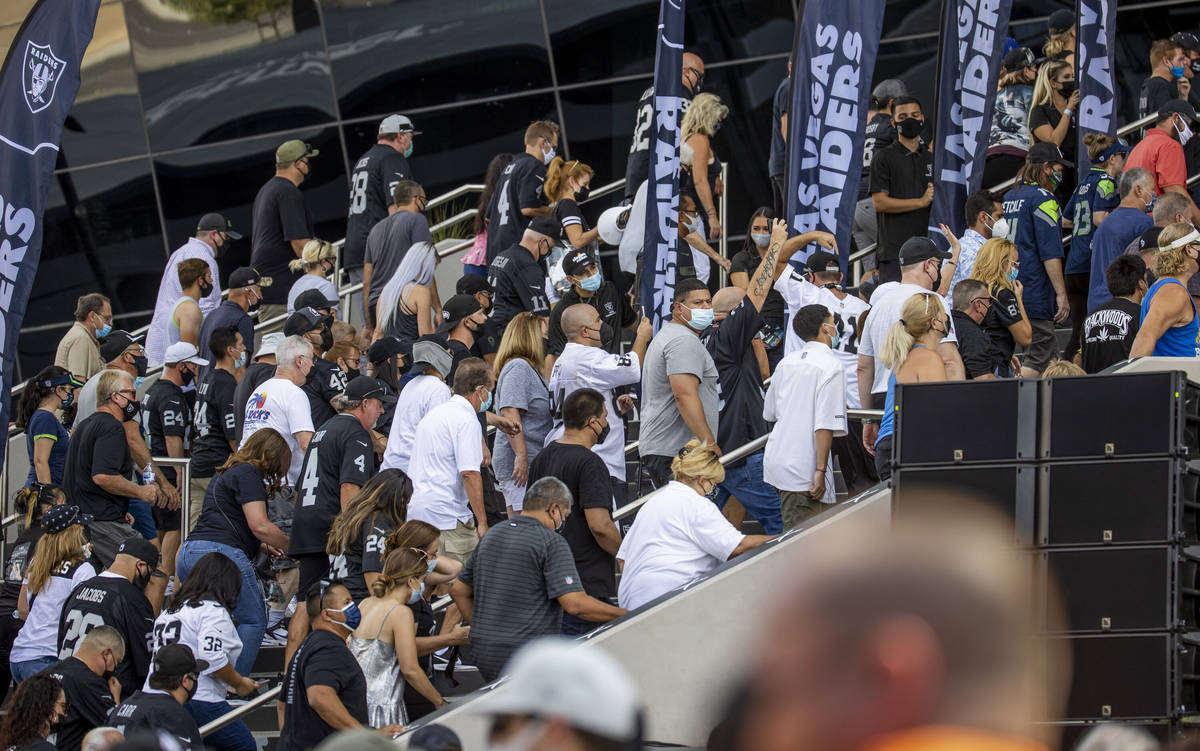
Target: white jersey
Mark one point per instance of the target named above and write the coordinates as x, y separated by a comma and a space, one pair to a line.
798, 292
886, 302
38, 636
280, 404
583, 367
208, 630
419, 395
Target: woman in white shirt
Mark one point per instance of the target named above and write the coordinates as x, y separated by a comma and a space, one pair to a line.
317, 259
679, 534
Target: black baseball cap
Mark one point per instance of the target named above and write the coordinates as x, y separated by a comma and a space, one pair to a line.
917, 249
244, 276
1149, 238
115, 343
470, 284
314, 298
1045, 152
177, 659
214, 221
366, 387
456, 309
546, 225
305, 320
1021, 57
385, 348
1177, 107
577, 261
58, 518
1187, 40
822, 261
434, 737
1061, 20
140, 549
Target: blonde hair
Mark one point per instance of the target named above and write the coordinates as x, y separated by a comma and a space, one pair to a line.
559, 172
344, 349
399, 566
703, 115
53, 549
1062, 43
696, 461
916, 320
1042, 93
522, 340
1172, 262
314, 252
1062, 368
992, 263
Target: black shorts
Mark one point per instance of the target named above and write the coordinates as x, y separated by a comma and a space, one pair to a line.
166, 520
313, 568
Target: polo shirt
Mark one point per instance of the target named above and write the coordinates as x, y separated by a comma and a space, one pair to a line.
448, 442
419, 395
518, 284
901, 174
1120, 227
1032, 212
886, 303
79, 352
169, 292
973, 345
228, 313
806, 395
518, 572
1160, 155
584, 367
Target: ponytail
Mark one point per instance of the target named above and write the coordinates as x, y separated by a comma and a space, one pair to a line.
555, 177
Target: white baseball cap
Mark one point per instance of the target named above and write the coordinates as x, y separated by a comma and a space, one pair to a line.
557, 677
183, 352
270, 342
611, 225
397, 124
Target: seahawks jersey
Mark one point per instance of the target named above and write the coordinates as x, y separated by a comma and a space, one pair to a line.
339, 452
110, 600
207, 629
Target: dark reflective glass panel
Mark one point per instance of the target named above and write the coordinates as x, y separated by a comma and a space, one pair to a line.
213, 73
397, 56
225, 178
101, 234
14, 11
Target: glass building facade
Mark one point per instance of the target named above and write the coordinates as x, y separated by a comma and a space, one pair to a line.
184, 101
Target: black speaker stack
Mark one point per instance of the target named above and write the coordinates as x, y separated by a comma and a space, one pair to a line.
1099, 476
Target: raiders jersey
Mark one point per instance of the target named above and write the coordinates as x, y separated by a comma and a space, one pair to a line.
165, 413
325, 381
339, 452
110, 600
157, 712
374, 178
207, 629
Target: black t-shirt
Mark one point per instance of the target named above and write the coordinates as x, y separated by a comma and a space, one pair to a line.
325, 381
113, 601
566, 213
739, 382
416, 704
613, 307
37, 744
1108, 333
371, 183
88, 699
1154, 93
279, 216
879, 134
221, 517
519, 285
97, 447
973, 344
156, 711
255, 375
1003, 313
774, 308
215, 422
228, 313
901, 174
519, 187
1048, 114
322, 660
165, 413
579, 469
458, 353
19, 556
340, 452
363, 554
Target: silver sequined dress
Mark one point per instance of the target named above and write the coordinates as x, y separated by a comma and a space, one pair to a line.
385, 682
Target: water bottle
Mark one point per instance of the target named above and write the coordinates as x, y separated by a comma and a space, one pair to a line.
148, 474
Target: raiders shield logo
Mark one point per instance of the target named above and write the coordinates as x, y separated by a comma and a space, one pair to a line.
40, 75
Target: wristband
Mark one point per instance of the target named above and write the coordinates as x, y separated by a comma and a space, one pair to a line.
950, 261
820, 469
1068, 112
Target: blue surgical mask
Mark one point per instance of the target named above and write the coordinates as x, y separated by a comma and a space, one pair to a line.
835, 338
760, 238
104, 331
487, 404
701, 318
137, 382
591, 283
429, 567
352, 613
240, 361
416, 594
408, 151
1177, 71
1012, 274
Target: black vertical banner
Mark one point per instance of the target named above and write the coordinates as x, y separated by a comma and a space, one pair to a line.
38, 84
970, 53
1094, 28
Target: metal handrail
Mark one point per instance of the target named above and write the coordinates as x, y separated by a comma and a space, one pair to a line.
461, 190
238, 713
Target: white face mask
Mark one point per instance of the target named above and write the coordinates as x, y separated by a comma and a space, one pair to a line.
999, 227
1185, 133
548, 155
760, 238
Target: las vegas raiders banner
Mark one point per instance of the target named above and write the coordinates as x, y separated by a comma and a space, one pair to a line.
38, 84
971, 52
834, 53
659, 262
1094, 32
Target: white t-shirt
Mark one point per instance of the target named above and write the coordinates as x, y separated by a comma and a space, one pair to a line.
807, 394
280, 404
419, 395
448, 442
208, 630
886, 302
678, 535
169, 293
38, 636
584, 367
307, 282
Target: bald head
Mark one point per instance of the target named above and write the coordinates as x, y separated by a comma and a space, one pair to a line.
726, 299
693, 72
581, 324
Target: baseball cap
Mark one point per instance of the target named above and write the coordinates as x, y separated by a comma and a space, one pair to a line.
314, 298
303, 321
67, 379
821, 261
1187, 40
58, 518
434, 737
183, 352
547, 226
1149, 238
214, 221
456, 309
1061, 20
470, 284
244, 276
1021, 57
397, 124
890, 88
177, 659
433, 354
1177, 107
115, 343
366, 387
292, 151
917, 249
385, 348
270, 343
1045, 152
140, 549
576, 262
581, 684
1119, 146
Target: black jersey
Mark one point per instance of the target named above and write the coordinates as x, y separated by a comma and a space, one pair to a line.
108, 600
165, 413
156, 711
88, 701
371, 183
363, 554
325, 381
215, 423
19, 556
519, 187
637, 167
340, 452
880, 133
613, 307
519, 284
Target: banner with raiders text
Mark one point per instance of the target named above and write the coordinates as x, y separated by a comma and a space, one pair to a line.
38, 84
970, 55
1095, 22
834, 52
660, 253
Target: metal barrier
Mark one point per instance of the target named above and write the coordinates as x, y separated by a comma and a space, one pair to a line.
239, 712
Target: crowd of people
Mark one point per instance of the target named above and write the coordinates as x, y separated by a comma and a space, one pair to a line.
473, 444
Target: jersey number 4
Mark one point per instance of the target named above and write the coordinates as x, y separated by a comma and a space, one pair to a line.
308, 483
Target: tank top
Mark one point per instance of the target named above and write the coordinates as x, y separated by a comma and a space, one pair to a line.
1176, 341
385, 682
887, 425
404, 324
173, 334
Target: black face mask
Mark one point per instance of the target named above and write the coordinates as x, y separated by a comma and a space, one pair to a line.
107, 674
187, 377
937, 281
254, 305
606, 334
602, 434
326, 339
130, 410
1067, 88
140, 363
911, 128
205, 289
141, 580
583, 193
351, 373
192, 691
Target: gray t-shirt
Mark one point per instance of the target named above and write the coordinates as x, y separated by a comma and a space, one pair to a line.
387, 243
522, 387
85, 400
674, 350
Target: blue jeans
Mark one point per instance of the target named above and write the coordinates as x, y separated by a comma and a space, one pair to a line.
572, 626
233, 737
22, 670
251, 610
471, 268
143, 518
760, 499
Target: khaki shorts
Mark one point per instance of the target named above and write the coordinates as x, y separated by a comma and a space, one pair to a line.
799, 506
458, 543
199, 488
